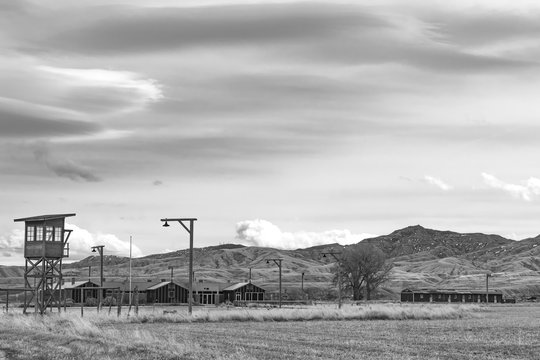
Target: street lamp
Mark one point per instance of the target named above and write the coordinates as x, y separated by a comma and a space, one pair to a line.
335, 254
99, 248
190, 230
303, 283
278, 263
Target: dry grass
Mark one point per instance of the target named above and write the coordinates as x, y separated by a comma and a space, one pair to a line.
365, 332
365, 312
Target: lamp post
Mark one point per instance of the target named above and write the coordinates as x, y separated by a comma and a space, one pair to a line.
278, 263
99, 248
335, 254
302, 283
190, 230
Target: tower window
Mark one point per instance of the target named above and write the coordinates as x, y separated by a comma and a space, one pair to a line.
30, 235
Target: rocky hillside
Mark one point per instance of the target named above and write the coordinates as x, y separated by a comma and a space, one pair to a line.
421, 257
441, 244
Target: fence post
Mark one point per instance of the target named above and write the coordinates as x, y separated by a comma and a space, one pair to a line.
119, 311
82, 302
110, 302
136, 300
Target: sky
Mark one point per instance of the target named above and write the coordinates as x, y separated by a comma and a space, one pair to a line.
274, 123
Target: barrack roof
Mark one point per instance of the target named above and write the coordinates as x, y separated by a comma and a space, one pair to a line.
235, 286
163, 283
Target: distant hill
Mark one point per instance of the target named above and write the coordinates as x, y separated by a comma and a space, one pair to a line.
421, 257
416, 239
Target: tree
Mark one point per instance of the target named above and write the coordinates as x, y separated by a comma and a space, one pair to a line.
363, 267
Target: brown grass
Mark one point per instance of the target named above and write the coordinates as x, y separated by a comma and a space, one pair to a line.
496, 332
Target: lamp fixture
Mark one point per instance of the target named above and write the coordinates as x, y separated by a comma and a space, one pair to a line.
166, 224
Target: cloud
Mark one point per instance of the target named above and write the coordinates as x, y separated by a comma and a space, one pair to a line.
309, 32
524, 192
81, 240
13, 241
99, 90
23, 119
64, 167
489, 26
128, 29
438, 183
264, 233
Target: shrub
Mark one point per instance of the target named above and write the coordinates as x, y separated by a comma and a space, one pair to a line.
91, 301
109, 300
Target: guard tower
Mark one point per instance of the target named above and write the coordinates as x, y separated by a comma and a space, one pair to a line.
45, 245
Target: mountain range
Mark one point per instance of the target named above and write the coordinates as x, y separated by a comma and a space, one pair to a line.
421, 257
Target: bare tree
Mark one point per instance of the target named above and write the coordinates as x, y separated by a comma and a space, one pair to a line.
364, 267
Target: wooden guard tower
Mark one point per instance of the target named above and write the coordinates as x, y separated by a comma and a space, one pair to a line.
45, 245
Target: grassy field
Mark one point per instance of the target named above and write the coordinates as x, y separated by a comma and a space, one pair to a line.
382, 332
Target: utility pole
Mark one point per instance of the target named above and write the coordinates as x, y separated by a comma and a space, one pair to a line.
488, 275
335, 254
130, 297
99, 248
278, 263
190, 229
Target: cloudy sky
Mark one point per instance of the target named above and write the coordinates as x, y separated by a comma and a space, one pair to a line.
277, 123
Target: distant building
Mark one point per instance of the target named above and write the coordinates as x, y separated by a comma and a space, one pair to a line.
245, 291
208, 293
79, 291
450, 296
167, 292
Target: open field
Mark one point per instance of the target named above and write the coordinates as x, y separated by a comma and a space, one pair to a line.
412, 332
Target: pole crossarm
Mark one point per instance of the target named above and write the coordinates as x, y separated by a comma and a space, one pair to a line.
334, 254
276, 261
181, 221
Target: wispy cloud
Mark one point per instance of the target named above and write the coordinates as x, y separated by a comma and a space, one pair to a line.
438, 183
104, 90
23, 119
263, 233
65, 167
525, 192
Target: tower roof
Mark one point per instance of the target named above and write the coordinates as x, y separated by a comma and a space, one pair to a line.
44, 217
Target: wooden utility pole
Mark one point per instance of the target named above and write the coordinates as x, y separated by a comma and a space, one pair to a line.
488, 275
190, 230
335, 254
278, 263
